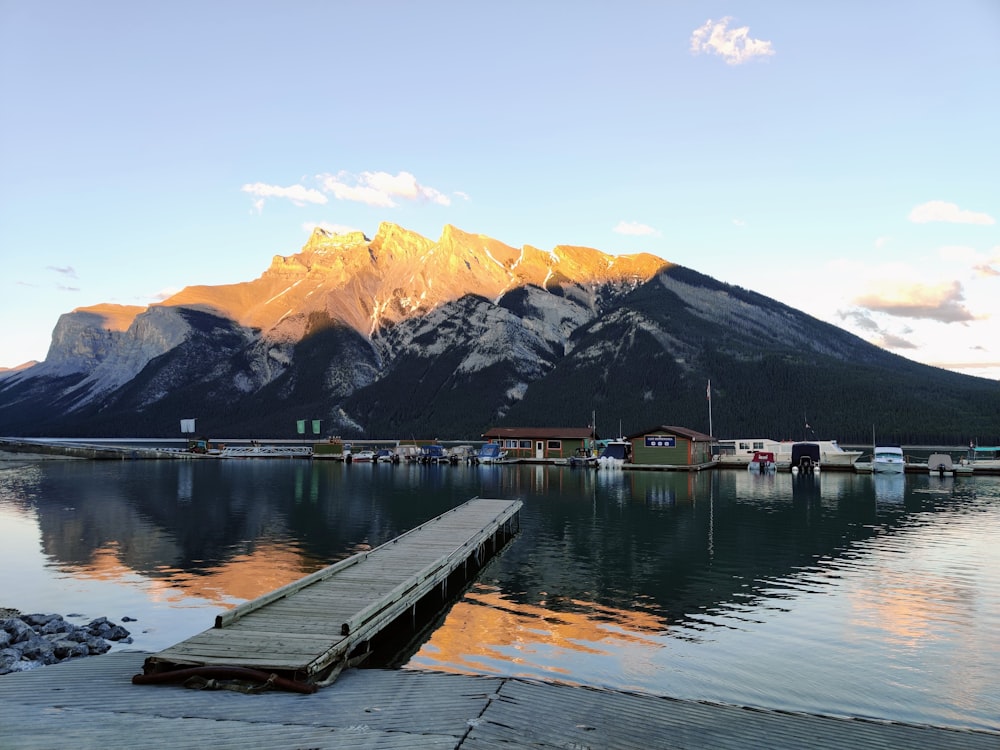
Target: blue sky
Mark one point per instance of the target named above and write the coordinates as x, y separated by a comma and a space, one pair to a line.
839, 157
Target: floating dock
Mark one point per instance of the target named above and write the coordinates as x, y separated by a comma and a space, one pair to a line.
308, 631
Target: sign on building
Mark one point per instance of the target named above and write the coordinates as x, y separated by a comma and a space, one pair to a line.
661, 441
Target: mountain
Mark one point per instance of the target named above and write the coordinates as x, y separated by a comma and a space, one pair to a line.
402, 336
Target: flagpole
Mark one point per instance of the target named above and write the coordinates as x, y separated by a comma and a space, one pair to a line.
708, 392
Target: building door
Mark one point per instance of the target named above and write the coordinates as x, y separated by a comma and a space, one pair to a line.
539, 449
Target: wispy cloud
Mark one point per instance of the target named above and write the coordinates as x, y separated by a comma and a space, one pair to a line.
635, 229
981, 264
950, 212
64, 270
941, 302
893, 341
734, 45
863, 320
297, 194
379, 189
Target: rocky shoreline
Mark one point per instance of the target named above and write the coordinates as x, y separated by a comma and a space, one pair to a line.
37, 640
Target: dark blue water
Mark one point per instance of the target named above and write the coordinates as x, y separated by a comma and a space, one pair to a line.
841, 593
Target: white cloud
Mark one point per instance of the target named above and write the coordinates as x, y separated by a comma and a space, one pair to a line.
735, 45
943, 301
297, 194
636, 229
739, 222
881, 242
944, 211
380, 188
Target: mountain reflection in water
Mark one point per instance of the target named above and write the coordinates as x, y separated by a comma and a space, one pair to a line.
826, 593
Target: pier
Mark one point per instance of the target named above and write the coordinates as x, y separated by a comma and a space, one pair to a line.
90, 703
307, 631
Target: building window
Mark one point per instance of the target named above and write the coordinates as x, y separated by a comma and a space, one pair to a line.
555, 445
526, 445
511, 444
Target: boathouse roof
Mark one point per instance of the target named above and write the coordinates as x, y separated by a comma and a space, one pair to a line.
539, 432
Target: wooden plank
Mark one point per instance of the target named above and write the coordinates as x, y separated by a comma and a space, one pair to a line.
309, 624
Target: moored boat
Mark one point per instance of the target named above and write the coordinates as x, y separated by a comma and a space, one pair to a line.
983, 458
888, 459
805, 457
762, 462
583, 458
740, 452
433, 454
489, 453
615, 454
940, 464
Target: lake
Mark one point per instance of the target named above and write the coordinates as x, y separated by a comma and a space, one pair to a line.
845, 594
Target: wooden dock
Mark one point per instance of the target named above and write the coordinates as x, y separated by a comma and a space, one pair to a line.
90, 703
309, 630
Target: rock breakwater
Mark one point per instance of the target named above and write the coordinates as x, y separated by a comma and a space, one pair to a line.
37, 640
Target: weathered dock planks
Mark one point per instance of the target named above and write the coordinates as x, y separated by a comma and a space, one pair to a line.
308, 629
90, 703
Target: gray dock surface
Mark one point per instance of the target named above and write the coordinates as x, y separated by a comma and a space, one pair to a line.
308, 629
92, 703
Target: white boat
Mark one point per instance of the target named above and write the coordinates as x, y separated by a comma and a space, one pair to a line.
490, 453
615, 454
409, 453
740, 451
386, 456
461, 454
888, 459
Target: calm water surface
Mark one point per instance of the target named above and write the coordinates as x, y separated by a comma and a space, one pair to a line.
842, 594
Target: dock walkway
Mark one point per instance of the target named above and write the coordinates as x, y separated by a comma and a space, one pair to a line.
91, 703
308, 630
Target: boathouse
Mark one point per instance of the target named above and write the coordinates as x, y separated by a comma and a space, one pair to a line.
666, 445
541, 443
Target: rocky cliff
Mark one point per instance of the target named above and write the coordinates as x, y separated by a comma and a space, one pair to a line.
402, 336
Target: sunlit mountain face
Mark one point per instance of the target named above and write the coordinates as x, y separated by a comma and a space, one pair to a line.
403, 336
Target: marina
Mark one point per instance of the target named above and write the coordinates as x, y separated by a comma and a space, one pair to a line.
834, 594
825, 455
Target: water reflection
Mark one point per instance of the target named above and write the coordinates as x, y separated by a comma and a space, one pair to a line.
718, 584
889, 487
